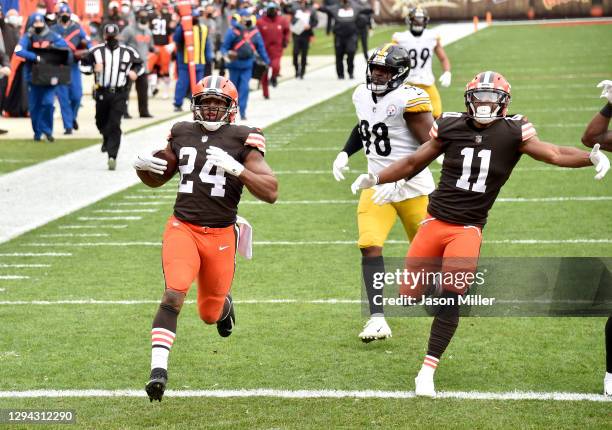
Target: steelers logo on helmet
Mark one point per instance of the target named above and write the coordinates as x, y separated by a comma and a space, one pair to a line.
387, 69
487, 97
214, 102
417, 20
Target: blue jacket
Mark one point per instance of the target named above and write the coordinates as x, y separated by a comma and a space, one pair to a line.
32, 40
232, 38
77, 34
200, 58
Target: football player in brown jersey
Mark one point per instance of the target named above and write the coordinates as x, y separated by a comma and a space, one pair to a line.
481, 147
597, 133
216, 158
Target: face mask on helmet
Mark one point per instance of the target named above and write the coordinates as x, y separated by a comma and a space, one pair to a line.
212, 110
382, 77
417, 21
486, 106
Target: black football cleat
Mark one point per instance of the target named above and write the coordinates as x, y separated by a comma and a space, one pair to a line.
226, 325
75, 125
157, 385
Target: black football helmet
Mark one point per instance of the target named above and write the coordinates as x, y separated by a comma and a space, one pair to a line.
389, 56
417, 20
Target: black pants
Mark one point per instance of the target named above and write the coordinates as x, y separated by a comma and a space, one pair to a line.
363, 37
110, 108
142, 91
301, 42
345, 45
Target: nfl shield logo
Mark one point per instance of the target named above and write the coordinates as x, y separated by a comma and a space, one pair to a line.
204, 139
478, 139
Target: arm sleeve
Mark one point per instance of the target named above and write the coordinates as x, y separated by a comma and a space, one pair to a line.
210, 52
227, 41
353, 143
527, 130
261, 49
23, 49
256, 139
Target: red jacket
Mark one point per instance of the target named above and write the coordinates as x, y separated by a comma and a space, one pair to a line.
275, 33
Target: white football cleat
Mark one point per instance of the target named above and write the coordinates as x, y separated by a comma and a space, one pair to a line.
376, 328
424, 385
608, 384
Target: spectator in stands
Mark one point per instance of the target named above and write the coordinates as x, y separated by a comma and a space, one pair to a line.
139, 37
304, 20
274, 29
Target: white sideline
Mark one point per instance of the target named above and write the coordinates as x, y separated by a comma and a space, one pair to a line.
314, 394
38, 194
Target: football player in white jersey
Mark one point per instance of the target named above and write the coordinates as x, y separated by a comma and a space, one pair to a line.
421, 43
394, 119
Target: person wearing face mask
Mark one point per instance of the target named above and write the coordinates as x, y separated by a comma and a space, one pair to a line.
274, 29
162, 27
203, 54
139, 37
15, 103
40, 96
114, 65
303, 21
70, 95
345, 16
115, 16
240, 45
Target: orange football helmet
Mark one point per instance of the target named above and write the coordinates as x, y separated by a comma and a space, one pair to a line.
487, 97
213, 116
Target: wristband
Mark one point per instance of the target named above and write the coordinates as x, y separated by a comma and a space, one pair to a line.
606, 110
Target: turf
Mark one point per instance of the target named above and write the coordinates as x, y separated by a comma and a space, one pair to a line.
16, 154
314, 346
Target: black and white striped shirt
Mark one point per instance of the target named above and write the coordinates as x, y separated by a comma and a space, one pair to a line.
117, 63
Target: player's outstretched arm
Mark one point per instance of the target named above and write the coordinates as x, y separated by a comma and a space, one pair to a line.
405, 168
566, 156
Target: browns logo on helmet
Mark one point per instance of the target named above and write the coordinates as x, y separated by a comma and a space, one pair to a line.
214, 102
387, 69
487, 97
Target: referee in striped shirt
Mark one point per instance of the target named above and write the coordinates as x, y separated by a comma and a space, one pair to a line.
112, 64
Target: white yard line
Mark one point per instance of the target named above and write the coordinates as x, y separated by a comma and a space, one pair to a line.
13, 277
91, 226
110, 218
148, 302
74, 235
80, 178
314, 394
311, 242
24, 266
36, 254
123, 211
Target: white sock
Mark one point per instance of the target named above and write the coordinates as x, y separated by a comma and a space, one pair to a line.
159, 358
608, 377
430, 364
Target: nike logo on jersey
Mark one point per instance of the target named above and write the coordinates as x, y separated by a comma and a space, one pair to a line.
221, 248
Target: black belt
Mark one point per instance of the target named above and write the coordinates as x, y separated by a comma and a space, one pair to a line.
113, 90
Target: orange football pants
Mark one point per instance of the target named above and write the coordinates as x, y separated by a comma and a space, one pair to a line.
161, 58
208, 254
448, 248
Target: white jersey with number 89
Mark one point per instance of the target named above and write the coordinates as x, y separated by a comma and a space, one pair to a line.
420, 50
385, 135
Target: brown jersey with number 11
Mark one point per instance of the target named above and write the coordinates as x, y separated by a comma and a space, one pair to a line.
207, 196
477, 163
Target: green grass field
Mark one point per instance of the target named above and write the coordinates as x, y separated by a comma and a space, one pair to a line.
314, 346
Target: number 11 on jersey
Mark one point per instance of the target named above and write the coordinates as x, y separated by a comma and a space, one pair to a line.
464, 181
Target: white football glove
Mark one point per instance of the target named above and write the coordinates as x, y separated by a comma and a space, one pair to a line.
384, 193
445, 79
340, 166
364, 181
150, 163
222, 159
600, 161
169, 48
606, 91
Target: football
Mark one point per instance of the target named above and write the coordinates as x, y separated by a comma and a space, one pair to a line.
153, 179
